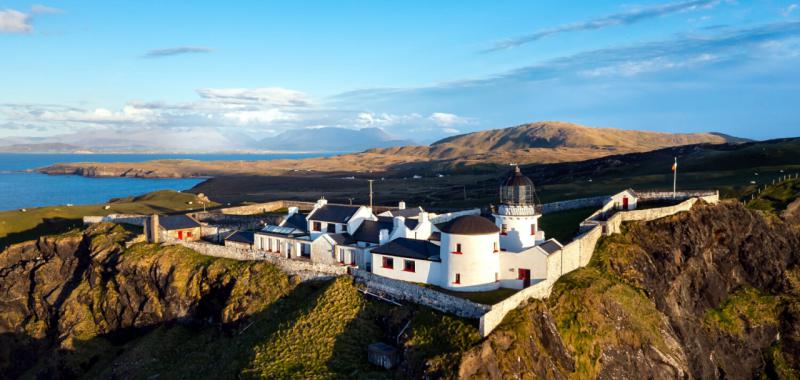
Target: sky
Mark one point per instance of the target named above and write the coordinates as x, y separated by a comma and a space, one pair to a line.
420, 70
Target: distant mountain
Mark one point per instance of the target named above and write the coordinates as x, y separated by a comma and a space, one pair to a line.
331, 139
41, 147
552, 141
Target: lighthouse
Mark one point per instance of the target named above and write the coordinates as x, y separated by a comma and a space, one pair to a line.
516, 217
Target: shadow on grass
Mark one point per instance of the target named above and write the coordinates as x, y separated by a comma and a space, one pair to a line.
49, 226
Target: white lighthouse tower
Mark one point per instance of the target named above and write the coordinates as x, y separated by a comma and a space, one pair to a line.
516, 216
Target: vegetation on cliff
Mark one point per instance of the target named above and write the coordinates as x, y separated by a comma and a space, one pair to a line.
712, 292
80, 304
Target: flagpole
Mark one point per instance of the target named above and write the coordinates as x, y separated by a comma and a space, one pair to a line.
674, 176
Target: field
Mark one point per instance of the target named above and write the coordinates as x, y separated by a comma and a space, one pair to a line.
17, 226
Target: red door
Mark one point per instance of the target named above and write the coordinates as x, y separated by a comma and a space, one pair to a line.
525, 276
625, 203
180, 235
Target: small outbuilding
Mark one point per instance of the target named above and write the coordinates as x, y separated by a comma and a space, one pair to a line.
382, 355
175, 227
240, 239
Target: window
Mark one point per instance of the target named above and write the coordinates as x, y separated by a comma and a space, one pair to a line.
331, 227
341, 255
409, 266
533, 229
458, 278
458, 249
496, 277
495, 247
316, 226
188, 233
353, 258
504, 229
388, 263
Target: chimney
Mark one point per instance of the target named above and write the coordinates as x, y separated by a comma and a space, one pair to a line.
399, 223
293, 210
383, 236
423, 217
321, 202
401, 205
154, 228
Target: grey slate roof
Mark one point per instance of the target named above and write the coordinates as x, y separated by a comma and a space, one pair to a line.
177, 222
369, 231
410, 223
406, 212
282, 231
333, 213
469, 225
297, 221
550, 246
342, 238
410, 248
247, 237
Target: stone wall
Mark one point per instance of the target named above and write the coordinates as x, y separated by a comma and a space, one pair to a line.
406, 291
548, 208
132, 219
578, 253
305, 269
653, 195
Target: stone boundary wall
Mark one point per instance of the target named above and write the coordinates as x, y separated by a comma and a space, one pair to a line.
132, 219
578, 253
598, 201
442, 218
305, 269
261, 208
406, 291
654, 195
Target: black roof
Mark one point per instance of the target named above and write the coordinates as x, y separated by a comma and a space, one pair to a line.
297, 221
410, 248
516, 178
342, 239
435, 236
282, 231
410, 223
333, 213
550, 246
406, 212
469, 225
370, 230
382, 348
177, 222
247, 237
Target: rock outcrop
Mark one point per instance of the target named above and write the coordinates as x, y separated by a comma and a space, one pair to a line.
709, 293
60, 292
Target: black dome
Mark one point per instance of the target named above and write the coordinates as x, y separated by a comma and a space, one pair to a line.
517, 179
470, 225
517, 189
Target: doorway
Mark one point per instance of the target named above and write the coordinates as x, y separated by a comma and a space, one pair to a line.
525, 276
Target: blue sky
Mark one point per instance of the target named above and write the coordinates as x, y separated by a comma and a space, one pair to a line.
418, 69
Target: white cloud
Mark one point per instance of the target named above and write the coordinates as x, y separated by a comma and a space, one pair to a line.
261, 116
12, 21
448, 119
276, 96
789, 9
43, 9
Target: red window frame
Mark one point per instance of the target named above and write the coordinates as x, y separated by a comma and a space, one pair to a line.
457, 279
533, 229
458, 249
495, 247
316, 226
388, 263
504, 229
409, 268
188, 233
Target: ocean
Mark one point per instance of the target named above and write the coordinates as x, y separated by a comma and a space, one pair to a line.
20, 188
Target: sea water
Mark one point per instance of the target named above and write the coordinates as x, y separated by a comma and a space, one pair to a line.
21, 187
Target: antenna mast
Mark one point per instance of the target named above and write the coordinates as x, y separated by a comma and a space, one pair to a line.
370, 191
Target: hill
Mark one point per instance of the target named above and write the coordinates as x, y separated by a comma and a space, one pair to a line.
552, 141
544, 142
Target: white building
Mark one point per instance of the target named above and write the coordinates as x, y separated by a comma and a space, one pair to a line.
474, 253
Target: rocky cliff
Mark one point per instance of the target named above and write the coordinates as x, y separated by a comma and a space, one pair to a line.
65, 299
711, 293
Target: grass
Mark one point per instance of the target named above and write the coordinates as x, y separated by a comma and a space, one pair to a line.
563, 225
776, 197
17, 226
489, 297
744, 309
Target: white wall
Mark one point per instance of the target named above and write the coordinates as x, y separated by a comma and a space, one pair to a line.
518, 231
477, 264
533, 258
426, 272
